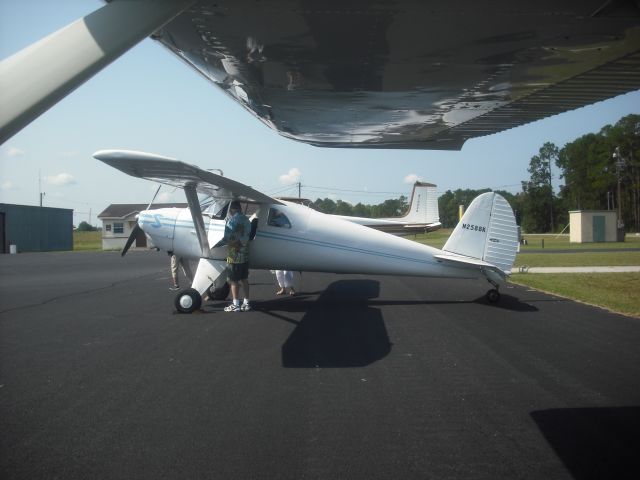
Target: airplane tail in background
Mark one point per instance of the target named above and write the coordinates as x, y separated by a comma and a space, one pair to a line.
487, 232
423, 207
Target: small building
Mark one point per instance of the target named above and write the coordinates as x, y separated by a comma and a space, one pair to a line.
119, 219
593, 226
35, 229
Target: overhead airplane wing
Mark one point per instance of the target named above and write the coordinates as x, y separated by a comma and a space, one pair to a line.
407, 73
170, 171
357, 73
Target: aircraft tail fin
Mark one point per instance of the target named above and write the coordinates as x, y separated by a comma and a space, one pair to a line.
487, 232
423, 208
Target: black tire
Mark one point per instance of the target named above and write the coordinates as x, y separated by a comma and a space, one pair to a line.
220, 293
493, 295
188, 301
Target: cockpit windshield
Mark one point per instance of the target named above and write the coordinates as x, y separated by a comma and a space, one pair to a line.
214, 207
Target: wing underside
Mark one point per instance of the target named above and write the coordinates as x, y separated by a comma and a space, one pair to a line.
169, 171
409, 74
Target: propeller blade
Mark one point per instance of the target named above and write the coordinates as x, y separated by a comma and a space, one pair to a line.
131, 239
136, 229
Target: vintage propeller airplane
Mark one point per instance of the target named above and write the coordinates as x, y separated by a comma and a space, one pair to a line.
421, 217
483, 245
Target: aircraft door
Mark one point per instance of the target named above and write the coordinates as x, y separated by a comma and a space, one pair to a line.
280, 228
215, 232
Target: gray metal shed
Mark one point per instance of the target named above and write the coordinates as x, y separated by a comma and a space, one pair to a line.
35, 229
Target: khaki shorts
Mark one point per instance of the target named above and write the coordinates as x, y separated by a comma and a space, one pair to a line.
238, 271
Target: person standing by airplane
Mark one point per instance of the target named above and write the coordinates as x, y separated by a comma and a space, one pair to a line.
174, 271
285, 281
236, 235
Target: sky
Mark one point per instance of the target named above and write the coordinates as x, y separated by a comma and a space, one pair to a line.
149, 100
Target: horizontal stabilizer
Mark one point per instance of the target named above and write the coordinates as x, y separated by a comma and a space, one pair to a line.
452, 257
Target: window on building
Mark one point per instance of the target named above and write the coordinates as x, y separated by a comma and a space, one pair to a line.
118, 228
107, 227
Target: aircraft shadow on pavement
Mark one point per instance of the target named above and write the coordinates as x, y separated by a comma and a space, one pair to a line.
303, 303
340, 329
594, 442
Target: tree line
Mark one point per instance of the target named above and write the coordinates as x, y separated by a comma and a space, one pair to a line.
389, 208
599, 171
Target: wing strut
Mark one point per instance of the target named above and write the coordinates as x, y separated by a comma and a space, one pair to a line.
196, 213
35, 78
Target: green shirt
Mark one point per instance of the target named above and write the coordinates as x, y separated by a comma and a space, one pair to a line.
236, 233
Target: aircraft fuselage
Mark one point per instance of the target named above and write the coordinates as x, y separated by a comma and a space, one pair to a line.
308, 241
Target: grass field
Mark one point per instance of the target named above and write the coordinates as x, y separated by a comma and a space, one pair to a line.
535, 242
619, 292
584, 259
87, 241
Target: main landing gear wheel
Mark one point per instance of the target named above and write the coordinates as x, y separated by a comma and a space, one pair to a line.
188, 301
493, 295
220, 293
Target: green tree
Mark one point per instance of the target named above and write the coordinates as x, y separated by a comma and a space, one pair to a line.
85, 227
361, 210
538, 215
590, 172
449, 204
343, 208
325, 206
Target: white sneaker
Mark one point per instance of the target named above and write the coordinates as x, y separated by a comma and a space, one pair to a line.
245, 307
232, 308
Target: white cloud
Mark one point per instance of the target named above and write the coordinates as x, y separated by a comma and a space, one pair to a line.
15, 152
8, 185
292, 177
412, 178
60, 179
164, 197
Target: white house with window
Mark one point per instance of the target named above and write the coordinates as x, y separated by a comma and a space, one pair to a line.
119, 219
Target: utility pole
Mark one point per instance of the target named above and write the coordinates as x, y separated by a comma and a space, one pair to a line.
40, 187
550, 194
299, 190
619, 165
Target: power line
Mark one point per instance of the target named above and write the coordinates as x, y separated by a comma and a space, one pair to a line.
331, 189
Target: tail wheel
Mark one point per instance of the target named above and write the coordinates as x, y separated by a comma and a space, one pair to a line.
188, 301
493, 295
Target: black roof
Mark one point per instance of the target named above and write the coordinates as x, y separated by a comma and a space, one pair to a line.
122, 210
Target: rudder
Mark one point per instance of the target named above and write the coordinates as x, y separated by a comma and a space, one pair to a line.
423, 206
487, 231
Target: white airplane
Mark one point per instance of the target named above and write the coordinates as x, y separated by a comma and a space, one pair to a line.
483, 245
421, 217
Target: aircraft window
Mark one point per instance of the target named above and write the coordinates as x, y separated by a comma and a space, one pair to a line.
217, 209
278, 219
